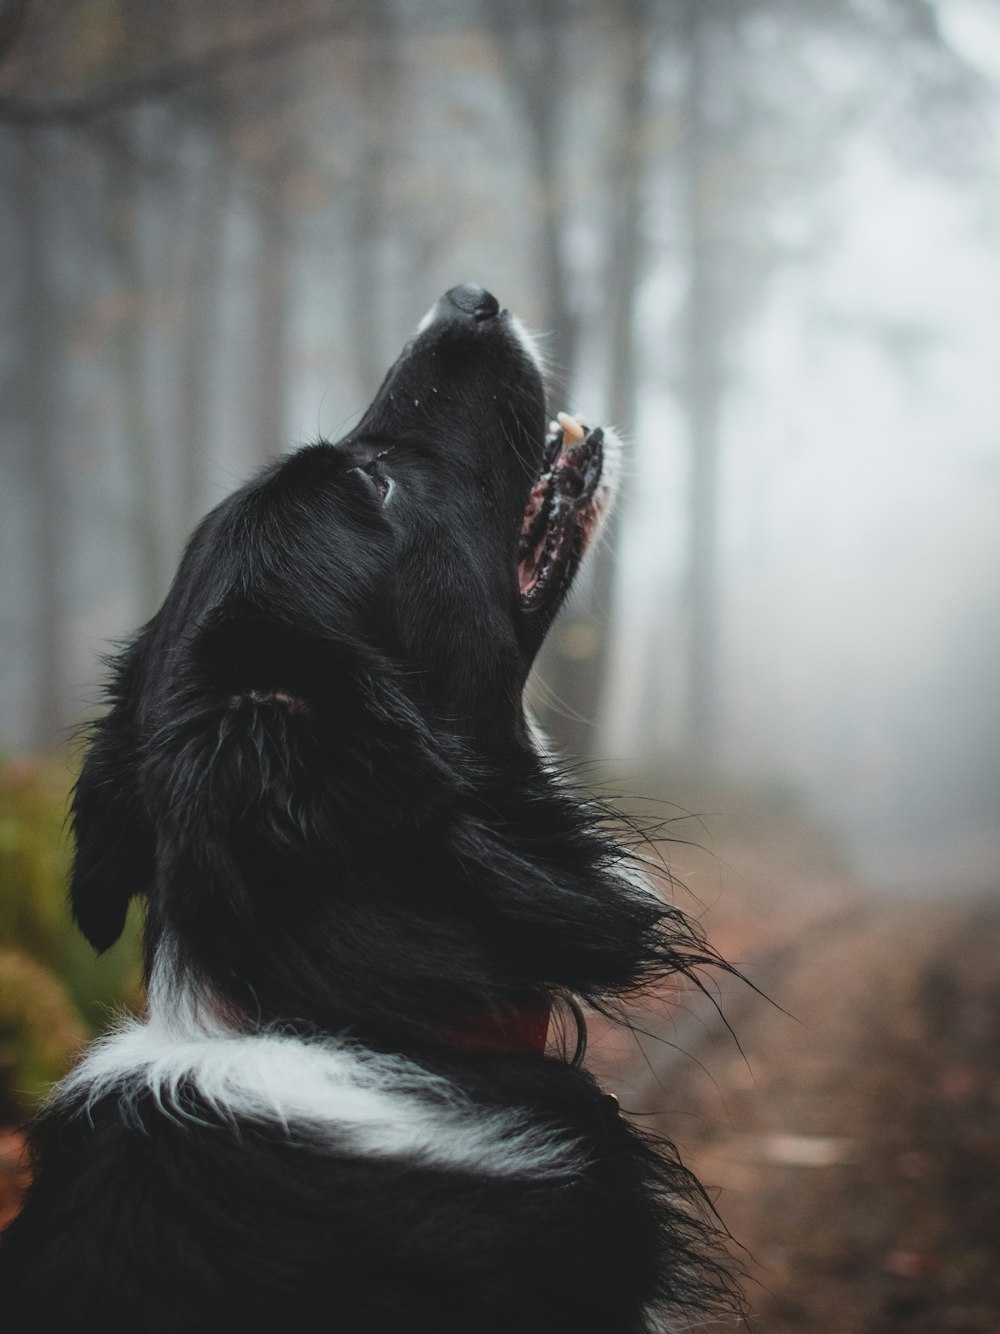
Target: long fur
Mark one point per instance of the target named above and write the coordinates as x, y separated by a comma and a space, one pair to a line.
316, 773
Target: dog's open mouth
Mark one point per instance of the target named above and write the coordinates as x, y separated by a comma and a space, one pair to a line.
564, 509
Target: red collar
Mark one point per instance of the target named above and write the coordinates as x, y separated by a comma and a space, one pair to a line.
519, 1029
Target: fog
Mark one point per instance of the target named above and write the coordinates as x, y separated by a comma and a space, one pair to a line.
760, 236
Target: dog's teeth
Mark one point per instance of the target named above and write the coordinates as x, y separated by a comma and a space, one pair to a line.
572, 429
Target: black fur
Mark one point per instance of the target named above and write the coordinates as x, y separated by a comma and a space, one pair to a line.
316, 773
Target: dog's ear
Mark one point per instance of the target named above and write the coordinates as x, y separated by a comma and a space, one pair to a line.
114, 849
282, 755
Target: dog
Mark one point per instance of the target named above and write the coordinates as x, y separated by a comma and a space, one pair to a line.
367, 893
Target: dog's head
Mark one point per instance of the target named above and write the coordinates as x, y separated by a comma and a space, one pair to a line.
330, 696
441, 535
484, 512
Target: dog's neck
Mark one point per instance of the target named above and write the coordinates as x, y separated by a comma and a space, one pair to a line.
426, 887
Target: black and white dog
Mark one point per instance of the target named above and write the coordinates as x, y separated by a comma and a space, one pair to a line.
364, 890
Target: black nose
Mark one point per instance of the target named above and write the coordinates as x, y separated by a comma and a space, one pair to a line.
473, 300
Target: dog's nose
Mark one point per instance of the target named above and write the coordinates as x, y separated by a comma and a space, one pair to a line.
473, 300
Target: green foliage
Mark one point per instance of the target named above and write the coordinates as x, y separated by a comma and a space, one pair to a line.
53, 991
40, 1029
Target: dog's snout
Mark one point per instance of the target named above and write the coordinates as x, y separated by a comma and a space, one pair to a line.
473, 300
466, 306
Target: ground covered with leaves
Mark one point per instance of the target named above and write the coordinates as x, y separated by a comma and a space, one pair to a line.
852, 1138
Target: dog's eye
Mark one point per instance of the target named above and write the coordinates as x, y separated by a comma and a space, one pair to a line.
381, 483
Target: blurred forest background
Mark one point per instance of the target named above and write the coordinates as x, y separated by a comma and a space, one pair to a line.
759, 235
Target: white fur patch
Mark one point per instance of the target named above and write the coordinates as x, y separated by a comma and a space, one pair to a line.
611, 471
326, 1092
529, 344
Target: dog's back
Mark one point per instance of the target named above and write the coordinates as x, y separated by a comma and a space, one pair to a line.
183, 1216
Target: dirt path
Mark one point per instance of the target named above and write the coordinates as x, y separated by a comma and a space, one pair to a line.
857, 1144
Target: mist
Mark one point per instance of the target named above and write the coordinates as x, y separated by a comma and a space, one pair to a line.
760, 237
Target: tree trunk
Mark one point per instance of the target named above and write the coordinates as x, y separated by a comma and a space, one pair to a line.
577, 661
558, 320
271, 315
202, 303
531, 39
705, 379
123, 244
378, 77
40, 385
626, 177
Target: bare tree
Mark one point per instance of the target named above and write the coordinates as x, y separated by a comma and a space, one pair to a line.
531, 38
627, 177
377, 77
41, 394
705, 380
128, 337
534, 43
208, 184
